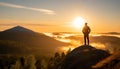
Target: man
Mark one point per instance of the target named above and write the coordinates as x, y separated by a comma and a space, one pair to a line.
86, 30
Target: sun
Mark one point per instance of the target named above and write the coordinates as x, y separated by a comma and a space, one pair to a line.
78, 22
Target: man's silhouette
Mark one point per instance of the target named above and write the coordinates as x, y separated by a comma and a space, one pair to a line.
86, 30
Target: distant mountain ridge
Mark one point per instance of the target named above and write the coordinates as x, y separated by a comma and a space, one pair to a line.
18, 29
112, 33
35, 42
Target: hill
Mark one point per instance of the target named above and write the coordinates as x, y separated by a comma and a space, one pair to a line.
83, 57
28, 40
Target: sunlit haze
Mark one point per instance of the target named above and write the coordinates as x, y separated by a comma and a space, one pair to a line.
77, 40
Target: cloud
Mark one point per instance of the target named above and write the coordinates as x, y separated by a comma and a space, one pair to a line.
14, 24
46, 11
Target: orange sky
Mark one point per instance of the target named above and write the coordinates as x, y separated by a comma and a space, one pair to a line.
58, 16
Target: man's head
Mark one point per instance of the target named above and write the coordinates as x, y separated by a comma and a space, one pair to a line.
86, 23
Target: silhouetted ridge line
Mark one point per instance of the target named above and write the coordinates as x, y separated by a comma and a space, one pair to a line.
18, 29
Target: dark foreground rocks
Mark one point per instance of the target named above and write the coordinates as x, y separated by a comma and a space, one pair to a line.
83, 57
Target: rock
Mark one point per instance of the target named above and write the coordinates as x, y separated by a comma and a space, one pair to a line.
111, 62
83, 57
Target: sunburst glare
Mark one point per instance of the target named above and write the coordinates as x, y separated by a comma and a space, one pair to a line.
78, 22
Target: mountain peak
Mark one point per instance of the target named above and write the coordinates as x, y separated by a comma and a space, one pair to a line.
18, 29
18, 26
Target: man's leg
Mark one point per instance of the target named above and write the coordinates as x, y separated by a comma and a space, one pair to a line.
84, 39
87, 38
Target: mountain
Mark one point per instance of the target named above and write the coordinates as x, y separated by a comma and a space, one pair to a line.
28, 40
19, 29
83, 57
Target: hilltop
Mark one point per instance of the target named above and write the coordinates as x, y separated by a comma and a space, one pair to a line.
83, 57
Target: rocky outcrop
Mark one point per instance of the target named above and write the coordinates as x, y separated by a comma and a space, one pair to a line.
112, 62
83, 57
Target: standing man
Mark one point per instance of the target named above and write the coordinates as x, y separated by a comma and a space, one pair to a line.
86, 30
